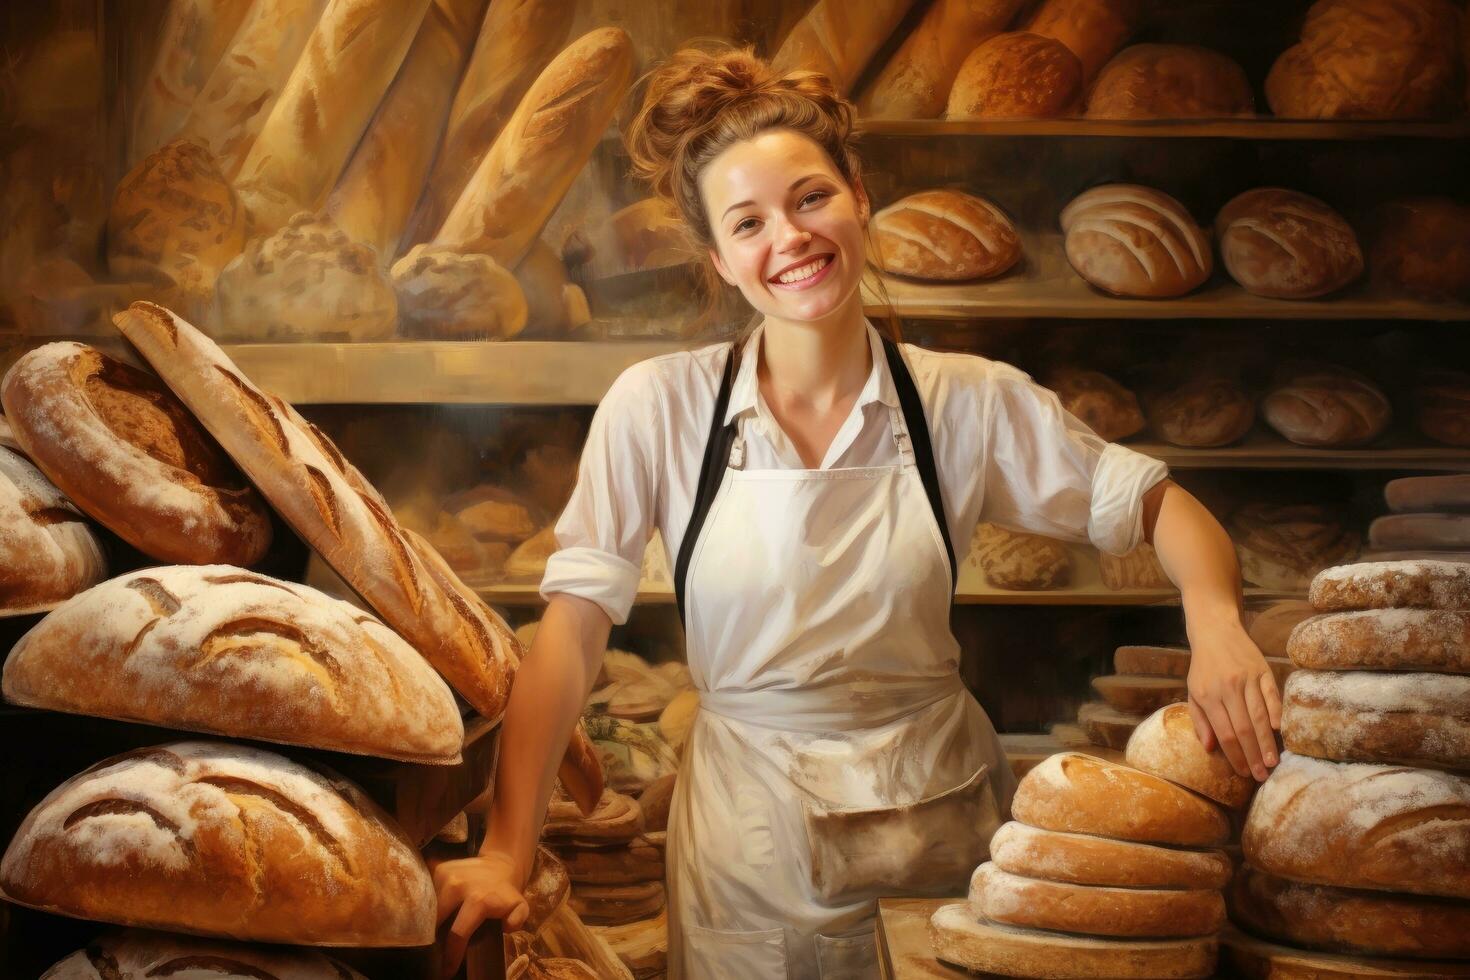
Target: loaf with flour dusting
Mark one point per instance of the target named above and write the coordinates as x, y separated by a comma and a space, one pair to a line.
945, 234
1371, 716
47, 551
1086, 859
1167, 745
137, 954
1135, 241
1384, 639
218, 649
1390, 584
1134, 913
222, 840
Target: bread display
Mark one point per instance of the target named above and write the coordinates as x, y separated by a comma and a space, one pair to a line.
1094, 30
119, 444
218, 839
1158, 661
1020, 561
1442, 406
1167, 745
1428, 494
916, 81
1107, 407
1420, 531
1324, 405
306, 282
1370, 59
345, 68
1421, 246
1284, 546
523, 176
1017, 75
1139, 694
1271, 628
1392, 584
838, 39
1287, 245
1106, 725
211, 648
944, 234
1134, 913
136, 954
47, 551
1205, 411
1138, 569
1086, 859
1170, 81
1367, 716
1135, 241
445, 293
1258, 959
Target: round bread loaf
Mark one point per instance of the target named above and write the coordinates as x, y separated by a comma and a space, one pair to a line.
1370, 716
1421, 246
1083, 859
116, 440
1428, 494
1138, 569
1415, 532
1094, 30
1016, 75
616, 820
1135, 241
1284, 546
1345, 920
137, 954
1020, 561
638, 862
222, 840
944, 234
1362, 826
1105, 406
211, 648
1324, 405
1442, 406
1270, 628
1389, 584
47, 551
1167, 745
1078, 794
614, 905
1258, 959
1105, 725
1287, 245
1140, 694
445, 293
990, 948
1131, 913
1170, 81
1157, 661
1204, 411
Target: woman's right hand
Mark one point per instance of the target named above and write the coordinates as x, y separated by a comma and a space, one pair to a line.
473, 890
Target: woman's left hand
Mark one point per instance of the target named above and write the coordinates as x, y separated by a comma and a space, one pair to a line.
1233, 697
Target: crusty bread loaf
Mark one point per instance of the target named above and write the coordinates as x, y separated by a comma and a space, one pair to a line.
1325, 405
1138, 569
1158, 661
382, 181
1362, 826
1139, 694
1107, 726
1369, 716
1286, 244
616, 820
211, 648
990, 948
1079, 794
445, 293
47, 551
119, 444
1270, 628
614, 905
1409, 532
525, 173
1170, 81
218, 839
1258, 959
1020, 561
1385, 639
1108, 408
1167, 745
1085, 859
1391, 584
1017, 75
944, 234
916, 81
554, 306
1131, 913
1428, 494
638, 861
1282, 546
1345, 920
837, 39
1442, 406
1094, 30
1421, 246
1135, 241
1205, 410
136, 954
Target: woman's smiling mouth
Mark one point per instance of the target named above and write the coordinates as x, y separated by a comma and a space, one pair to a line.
806, 275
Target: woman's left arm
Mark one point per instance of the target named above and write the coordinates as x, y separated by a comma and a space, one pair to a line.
1232, 693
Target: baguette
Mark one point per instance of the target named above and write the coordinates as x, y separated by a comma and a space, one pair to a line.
838, 38
1094, 30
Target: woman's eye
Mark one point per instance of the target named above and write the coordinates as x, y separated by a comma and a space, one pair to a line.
744, 225
813, 196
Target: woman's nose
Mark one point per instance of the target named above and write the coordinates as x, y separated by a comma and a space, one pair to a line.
790, 238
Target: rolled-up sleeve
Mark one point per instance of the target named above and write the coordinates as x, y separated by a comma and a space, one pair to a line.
1046, 471
602, 533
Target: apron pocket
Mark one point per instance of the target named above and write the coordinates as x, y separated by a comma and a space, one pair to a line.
853, 956
715, 954
927, 847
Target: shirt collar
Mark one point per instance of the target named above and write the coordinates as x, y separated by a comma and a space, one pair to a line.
743, 393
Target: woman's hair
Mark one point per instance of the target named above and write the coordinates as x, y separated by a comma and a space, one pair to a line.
706, 98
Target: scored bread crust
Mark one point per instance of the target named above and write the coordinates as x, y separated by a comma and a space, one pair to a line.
1414, 719
1384, 639
1418, 584
222, 840
945, 234
1135, 241
47, 551
1125, 913
1287, 245
135, 953
217, 649
1085, 859
116, 440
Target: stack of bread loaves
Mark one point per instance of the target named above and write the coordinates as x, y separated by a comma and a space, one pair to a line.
1359, 843
1431, 518
1106, 870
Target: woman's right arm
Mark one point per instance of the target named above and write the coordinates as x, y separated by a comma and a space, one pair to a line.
546, 700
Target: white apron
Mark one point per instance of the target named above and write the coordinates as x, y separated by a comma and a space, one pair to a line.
837, 756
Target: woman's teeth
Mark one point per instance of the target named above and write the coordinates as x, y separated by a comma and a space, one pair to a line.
805, 272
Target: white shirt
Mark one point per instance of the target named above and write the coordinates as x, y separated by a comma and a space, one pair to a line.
1005, 449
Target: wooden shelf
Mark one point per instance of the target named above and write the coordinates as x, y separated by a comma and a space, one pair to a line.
1266, 451
1251, 128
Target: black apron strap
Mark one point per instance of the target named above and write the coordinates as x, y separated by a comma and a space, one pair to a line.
918, 426
711, 474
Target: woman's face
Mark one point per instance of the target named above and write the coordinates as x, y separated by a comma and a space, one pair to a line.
787, 229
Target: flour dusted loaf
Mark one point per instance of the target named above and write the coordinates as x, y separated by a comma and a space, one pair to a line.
1138, 569
1258, 959
1385, 639
1020, 561
119, 444
222, 840
1016, 75
1170, 81
1370, 716
1108, 408
837, 39
1135, 241
1390, 584
1085, 859
945, 234
1075, 793
1167, 745
1133, 913
137, 954
218, 649
1362, 826
47, 551
1287, 245
445, 293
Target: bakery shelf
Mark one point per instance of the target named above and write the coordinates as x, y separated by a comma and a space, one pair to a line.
1252, 128
1261, 451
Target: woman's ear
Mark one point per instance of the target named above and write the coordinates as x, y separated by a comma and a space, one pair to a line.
865, 210
720, 267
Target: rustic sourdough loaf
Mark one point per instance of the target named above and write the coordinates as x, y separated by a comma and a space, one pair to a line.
1167, 745
1384, 639
1125, 913
1287, 245
1086, 859
1135, 241
47, 550
1372, 716
1388, 584
944, 234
